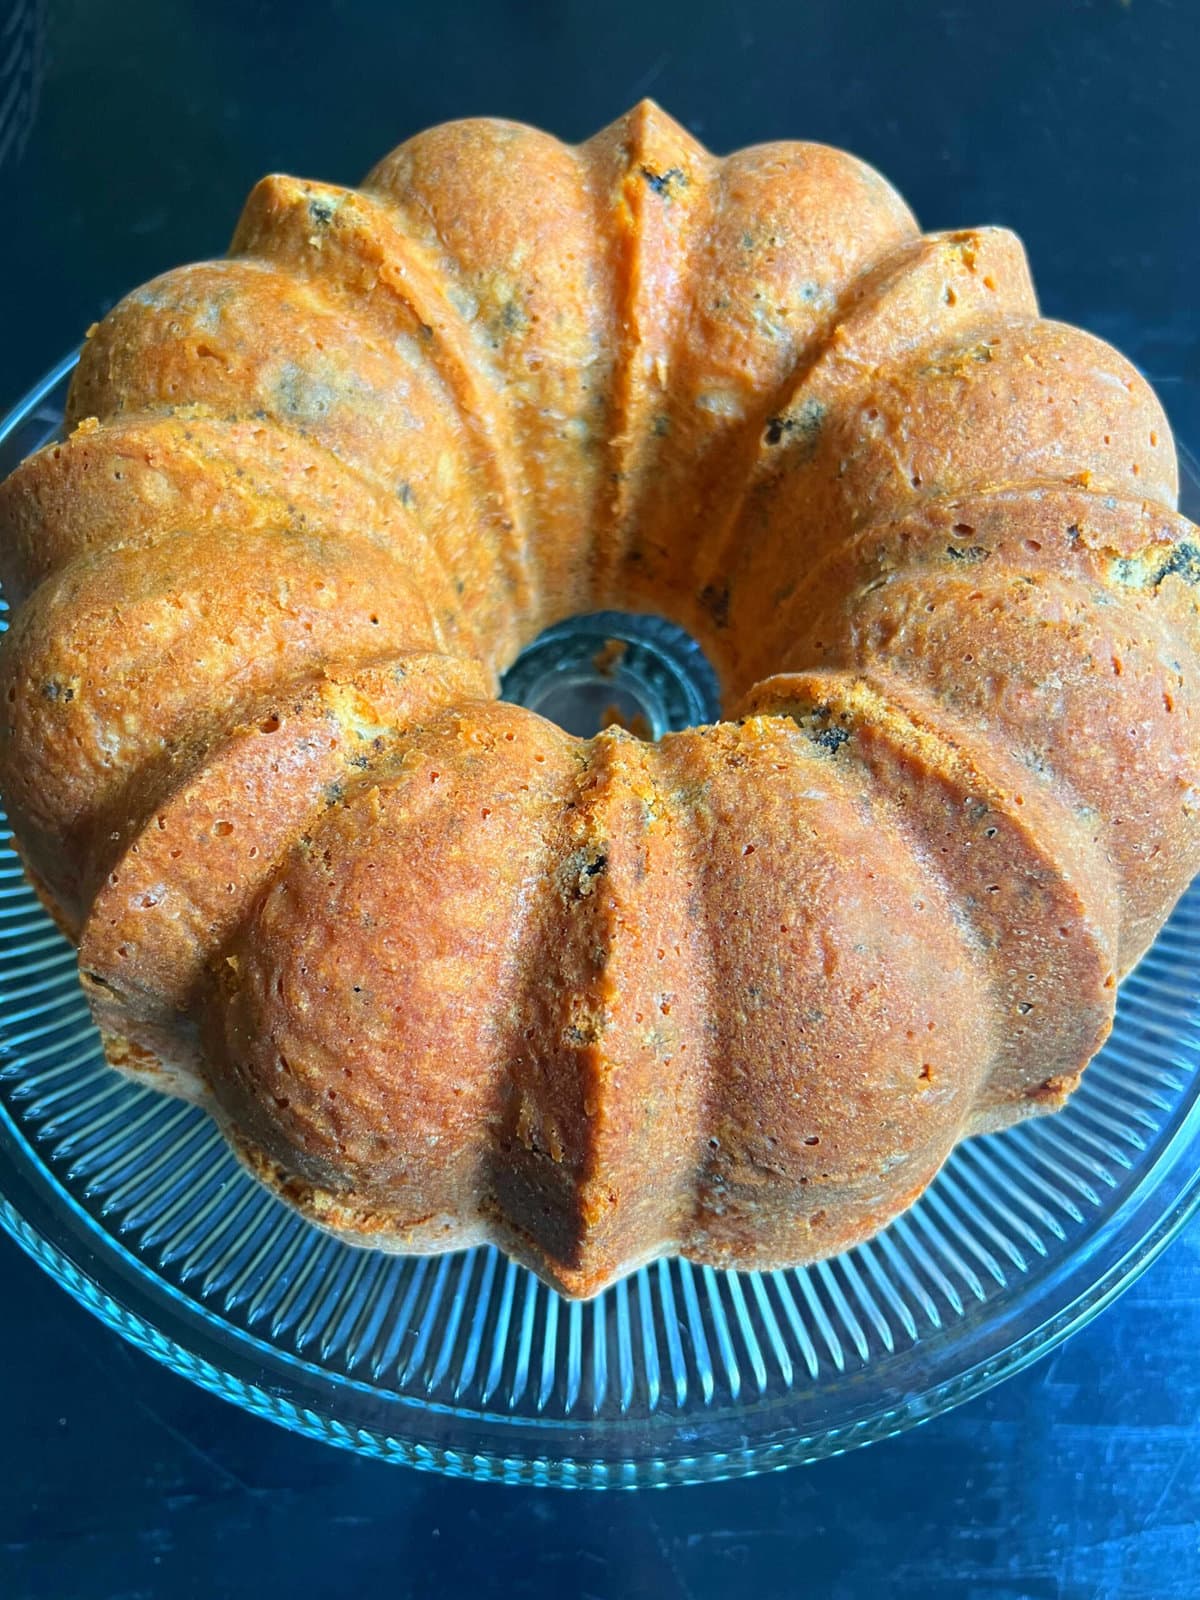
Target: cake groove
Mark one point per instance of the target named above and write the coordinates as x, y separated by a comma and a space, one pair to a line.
507, 213
762, 285
918, 293
150, 473
318, 377
660, 203
334, 253
988, 826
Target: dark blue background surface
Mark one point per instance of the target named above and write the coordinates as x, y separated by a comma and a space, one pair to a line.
1077, 1480
1075, 123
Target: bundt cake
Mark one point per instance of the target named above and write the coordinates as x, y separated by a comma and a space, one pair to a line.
448, 974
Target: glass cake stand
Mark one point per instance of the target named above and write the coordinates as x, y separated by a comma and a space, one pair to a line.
466, 1364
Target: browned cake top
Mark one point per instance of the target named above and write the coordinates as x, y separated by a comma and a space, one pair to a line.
447, 973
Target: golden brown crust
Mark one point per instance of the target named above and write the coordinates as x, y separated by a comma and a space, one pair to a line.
357, 1034
446, 974
129, 654
507, 214
848, 1028
1032, 891
1034, 619
179, 874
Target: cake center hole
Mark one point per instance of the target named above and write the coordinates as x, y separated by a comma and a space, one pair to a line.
611, 668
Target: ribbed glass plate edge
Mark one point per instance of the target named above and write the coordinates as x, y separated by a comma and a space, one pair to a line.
171, 1338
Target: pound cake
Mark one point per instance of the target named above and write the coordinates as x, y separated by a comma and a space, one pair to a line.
447, 974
